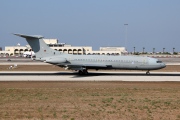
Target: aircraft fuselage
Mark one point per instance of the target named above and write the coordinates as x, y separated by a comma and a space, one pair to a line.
109, 62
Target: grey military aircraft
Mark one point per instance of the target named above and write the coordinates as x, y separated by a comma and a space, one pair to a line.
82, 63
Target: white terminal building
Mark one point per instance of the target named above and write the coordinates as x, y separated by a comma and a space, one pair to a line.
65, 48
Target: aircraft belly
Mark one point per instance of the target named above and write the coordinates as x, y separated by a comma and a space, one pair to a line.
153, 67
148, 67
142, 67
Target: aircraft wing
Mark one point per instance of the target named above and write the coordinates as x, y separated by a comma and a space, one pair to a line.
80, 66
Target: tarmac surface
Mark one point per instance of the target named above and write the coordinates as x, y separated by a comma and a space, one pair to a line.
93, 76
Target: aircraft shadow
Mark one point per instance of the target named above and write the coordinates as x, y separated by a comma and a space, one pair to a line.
91, 74
125, 74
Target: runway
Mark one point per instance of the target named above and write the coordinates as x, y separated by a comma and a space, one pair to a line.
92, 76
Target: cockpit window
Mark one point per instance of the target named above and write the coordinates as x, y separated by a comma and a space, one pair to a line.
159, 61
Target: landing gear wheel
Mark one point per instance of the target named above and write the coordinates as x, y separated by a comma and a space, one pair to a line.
148, 73
83, 72
80, 72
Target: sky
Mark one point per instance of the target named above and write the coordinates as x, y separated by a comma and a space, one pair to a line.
96, 23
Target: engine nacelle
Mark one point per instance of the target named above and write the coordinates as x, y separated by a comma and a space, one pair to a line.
56, 60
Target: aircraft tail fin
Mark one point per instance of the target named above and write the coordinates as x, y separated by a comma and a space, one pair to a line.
38, 45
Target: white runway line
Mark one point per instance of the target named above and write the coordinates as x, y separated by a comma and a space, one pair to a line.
133, 76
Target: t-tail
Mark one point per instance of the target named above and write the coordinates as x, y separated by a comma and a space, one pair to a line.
38, 45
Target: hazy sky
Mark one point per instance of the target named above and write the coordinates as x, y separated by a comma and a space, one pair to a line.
96, 23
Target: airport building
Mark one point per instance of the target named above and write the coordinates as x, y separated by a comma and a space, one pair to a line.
18, 50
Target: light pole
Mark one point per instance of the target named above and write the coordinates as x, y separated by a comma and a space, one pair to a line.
163, 50
143, 49
126, 36
173, 50
134, 49
153, 50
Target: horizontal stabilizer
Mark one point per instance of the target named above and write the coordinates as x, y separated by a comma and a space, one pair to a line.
29, 36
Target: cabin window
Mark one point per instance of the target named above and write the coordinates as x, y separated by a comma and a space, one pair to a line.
159, 61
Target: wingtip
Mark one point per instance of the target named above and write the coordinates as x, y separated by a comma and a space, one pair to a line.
17, 34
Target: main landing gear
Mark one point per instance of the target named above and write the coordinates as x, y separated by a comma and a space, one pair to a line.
83, 72
148, 73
